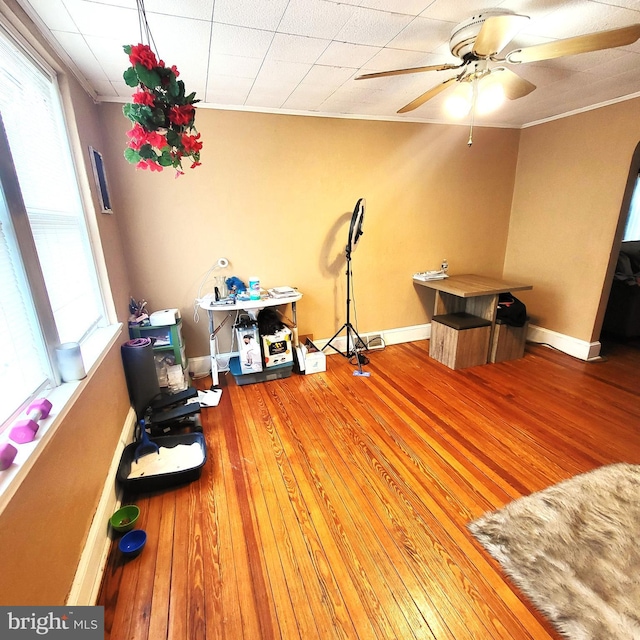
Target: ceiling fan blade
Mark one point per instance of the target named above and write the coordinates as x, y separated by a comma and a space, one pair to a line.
432, 93
496, 33
513, 85
579, 44
399, 72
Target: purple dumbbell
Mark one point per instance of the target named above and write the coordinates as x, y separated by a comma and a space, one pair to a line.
39, 409
7, 454
25, 430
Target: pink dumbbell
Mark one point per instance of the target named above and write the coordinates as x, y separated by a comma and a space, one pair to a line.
7, 454
25, 430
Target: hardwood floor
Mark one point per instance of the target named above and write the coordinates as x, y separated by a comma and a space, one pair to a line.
334, 506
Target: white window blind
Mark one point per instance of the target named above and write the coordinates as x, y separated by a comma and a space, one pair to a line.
23, 365
48, 278
32, 116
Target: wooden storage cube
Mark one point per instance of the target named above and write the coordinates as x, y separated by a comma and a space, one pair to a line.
459, 340
508, 342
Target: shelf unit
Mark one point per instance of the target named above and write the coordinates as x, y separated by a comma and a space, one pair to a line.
168, 348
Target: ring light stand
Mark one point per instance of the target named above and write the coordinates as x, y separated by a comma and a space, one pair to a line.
353, 339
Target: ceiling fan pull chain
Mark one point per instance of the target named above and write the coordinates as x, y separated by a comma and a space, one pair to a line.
474, 99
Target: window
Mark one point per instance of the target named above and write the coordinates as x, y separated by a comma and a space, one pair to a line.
48, 277
632, 230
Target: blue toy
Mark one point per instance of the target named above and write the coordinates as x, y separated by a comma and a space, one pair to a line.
235, 285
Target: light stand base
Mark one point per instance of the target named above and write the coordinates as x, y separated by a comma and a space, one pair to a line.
353, 340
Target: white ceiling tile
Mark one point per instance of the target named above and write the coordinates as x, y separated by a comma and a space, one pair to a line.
327, 77
377, 28
318, 18
77, 49
410, 7
304, 55
240, 41
105, 89
346, 54
278, 72
103, 50
296, 48
223, 89
389, 59
200, 9
122, 89
457, 11
97, 19
593, 17
423, 35
307, 97
54, 14
256, 14
268, 97
234, 66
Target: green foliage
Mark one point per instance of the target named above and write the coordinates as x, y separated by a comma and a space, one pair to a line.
152, 114
131, 155
148, 77
131, 77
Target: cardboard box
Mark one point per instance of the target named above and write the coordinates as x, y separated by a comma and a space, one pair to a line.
314, 360
277, 348
249, 348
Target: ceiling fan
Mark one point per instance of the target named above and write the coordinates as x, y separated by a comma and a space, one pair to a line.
478, 41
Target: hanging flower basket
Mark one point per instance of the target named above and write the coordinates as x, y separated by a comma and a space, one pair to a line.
163, 133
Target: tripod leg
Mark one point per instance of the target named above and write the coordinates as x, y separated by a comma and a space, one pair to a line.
335, 335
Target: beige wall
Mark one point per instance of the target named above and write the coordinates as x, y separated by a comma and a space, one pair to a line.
275, 194
44, 527
570, 183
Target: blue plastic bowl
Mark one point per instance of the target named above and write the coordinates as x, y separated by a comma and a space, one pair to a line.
132, 543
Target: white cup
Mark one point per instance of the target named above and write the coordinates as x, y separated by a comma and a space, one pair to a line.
70, 364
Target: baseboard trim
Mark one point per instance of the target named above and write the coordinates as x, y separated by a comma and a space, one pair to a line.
567, 344
389, 336
86, 583
572, 346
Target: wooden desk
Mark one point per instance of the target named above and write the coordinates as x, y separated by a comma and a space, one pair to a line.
473, 294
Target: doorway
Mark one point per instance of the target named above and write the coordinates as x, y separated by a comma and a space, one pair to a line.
622, 301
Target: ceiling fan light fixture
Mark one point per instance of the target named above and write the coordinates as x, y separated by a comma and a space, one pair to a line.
490, 97
459, 102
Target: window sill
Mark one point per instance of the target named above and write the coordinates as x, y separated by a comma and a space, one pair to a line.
62, 398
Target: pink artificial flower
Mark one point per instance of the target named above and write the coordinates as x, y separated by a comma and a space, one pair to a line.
148, 164
156, 139
144, 97
191, 143
181, 115
141, 53
138, 136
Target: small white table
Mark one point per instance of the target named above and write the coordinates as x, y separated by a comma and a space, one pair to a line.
252, 307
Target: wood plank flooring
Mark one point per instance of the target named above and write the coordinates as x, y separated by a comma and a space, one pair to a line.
334, 506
